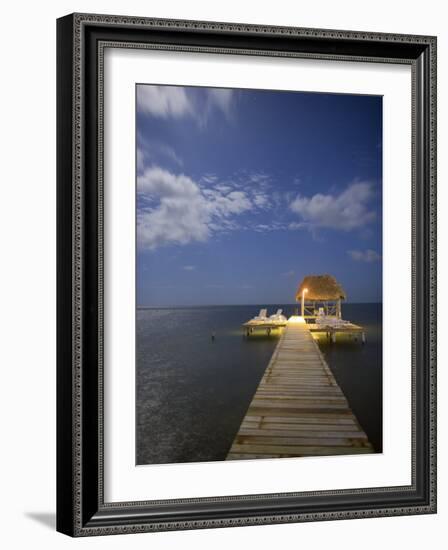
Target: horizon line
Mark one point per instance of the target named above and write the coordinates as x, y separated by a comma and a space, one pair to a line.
296, 304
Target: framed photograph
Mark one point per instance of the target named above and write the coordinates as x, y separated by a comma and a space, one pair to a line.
246, 274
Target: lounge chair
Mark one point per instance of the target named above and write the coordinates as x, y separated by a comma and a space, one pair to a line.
321, 318
261, 317
278, 317
335, 323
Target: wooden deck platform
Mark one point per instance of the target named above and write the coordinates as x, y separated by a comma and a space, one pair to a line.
268, 327
349, 329
298, 408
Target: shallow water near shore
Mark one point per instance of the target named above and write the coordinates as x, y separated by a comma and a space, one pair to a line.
193, 391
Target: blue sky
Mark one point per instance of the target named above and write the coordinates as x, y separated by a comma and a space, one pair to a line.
241, 193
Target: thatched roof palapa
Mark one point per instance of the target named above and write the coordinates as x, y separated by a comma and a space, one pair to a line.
321, 288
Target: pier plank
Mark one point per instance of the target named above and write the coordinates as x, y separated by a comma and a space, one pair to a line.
299, 441
305, 419
297, 450
264, 431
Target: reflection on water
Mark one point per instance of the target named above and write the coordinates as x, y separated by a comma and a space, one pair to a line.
193, 391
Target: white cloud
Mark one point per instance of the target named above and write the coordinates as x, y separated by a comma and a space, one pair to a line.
223, 187
271, 226
180, 211
346, 211
182, 102
261, 200
259, 178
364, 255
254, 186
155, 152
220, 98
189, 267
163, 101
158, 182
209, 178
295, 225
262, 227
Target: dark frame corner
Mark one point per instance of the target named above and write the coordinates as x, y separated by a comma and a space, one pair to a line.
81, 510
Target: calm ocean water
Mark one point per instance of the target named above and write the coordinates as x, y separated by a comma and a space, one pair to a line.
192, 391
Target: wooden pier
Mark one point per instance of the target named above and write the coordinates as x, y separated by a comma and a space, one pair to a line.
298, 408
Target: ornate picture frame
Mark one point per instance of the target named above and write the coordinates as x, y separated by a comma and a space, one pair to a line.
81, 507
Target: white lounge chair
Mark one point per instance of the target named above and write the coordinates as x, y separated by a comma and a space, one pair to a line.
261, 317
335, 323
278, 317
321, 318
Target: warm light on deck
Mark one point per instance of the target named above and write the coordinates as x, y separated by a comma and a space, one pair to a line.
296, 319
